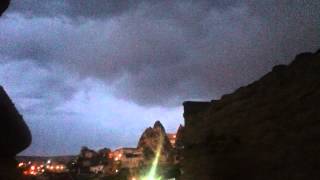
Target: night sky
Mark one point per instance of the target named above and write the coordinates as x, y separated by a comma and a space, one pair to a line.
98, 72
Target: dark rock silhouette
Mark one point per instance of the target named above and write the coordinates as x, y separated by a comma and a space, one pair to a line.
14, 133
14, 136
158, 125
179, 137
269, 129
4, 4
88, 158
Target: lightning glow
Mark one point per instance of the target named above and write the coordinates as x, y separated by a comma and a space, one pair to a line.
152, 175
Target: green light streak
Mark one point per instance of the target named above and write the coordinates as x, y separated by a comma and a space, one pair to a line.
153, 171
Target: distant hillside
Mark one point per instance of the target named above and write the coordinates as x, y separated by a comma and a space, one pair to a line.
268, 130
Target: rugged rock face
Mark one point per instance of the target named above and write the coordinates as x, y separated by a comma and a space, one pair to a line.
269, 129
14, 136
150, 140
179, 139
104, 153
4, 5
88, 158
14, 133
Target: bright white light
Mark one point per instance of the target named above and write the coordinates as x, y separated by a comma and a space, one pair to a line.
20, 164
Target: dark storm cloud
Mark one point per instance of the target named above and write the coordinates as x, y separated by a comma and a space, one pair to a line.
38, 88
99, 8
165, 52
71, 8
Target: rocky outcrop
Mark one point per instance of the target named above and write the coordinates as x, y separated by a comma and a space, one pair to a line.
14, 136
269, 129
104, 153
179, 137
4, 5
88, 158
150, 140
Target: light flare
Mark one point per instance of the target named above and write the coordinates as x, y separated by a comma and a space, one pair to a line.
152, 175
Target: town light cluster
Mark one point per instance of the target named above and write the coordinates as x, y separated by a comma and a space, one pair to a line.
152, 159
34, 169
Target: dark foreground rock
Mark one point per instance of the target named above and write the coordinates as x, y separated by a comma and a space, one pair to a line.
267, 130
14, 133
4, 5
14, 136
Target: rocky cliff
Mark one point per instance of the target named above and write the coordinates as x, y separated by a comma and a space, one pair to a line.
150, 139
4, 5
269, 129
14, 133
14, 136
179, 137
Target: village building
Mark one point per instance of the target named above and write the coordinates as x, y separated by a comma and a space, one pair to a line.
128, 157
97, 169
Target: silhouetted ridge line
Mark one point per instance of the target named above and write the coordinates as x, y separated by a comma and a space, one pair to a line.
269, 129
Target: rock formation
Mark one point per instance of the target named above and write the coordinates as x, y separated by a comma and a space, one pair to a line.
269, 129
14, 135
179, 137
150, 140
88, 158
4, 5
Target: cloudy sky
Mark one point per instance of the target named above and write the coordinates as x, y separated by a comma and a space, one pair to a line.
99, 72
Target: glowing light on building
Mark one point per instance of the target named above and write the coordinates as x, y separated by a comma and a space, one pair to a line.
20, 164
